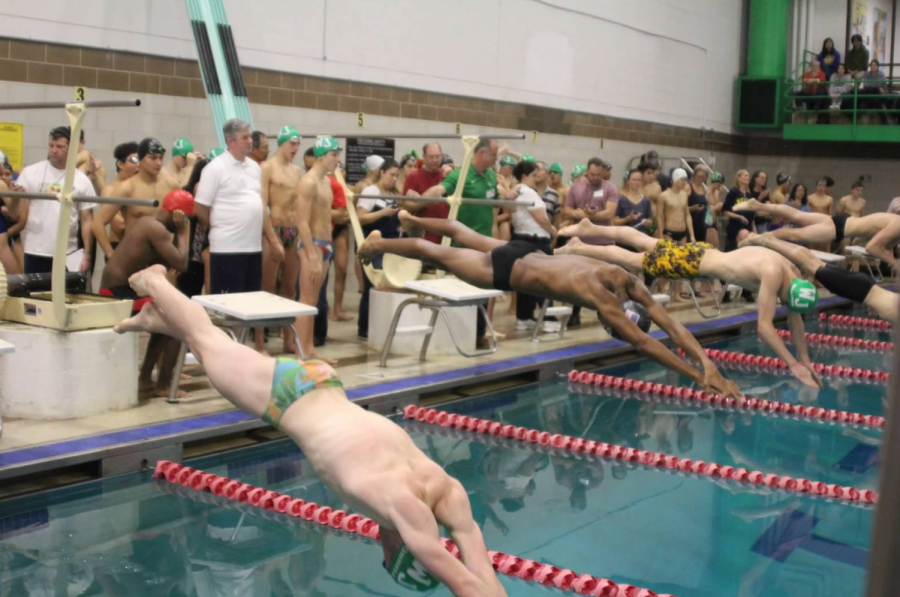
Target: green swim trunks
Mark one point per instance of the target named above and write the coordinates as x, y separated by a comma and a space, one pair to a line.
291, 380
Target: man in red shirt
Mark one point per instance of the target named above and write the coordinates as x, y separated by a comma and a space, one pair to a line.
340, 235
420, 180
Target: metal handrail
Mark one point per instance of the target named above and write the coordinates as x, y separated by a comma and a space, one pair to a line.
857, 93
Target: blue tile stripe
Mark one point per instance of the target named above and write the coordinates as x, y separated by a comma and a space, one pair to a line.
115, 438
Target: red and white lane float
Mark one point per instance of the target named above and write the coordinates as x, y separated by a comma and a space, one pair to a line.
431, 416
855, 323
842, 342
665, 393
739, 360
353, 524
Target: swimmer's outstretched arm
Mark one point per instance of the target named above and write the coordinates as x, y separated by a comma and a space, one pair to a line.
474, 576
713, 380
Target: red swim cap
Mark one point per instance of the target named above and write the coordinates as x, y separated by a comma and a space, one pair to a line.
179, 200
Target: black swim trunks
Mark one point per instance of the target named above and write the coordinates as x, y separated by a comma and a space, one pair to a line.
839, 223
849, 285
503, 258
336, 231
677, 236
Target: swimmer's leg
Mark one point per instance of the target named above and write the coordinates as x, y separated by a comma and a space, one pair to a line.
239, 373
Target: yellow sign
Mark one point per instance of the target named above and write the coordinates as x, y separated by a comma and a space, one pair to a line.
360, 120
534, 135
458, 128
11, 143
80, 94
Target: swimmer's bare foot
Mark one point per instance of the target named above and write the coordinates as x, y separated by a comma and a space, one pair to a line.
368, 249
410, 224
751, 241
159, 392
186, 377
150, 319
142, 280
336, 316
570, 247
582, 228
749, 205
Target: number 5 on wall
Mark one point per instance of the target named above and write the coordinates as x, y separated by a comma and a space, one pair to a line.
360, 120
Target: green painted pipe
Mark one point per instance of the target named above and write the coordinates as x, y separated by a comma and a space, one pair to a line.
768, 38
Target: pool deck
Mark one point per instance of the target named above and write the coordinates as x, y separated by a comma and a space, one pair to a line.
125, 441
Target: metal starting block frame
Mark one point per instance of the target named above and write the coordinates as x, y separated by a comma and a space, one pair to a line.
438, 295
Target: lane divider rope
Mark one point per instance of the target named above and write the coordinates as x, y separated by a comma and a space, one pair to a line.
739, 360
855, 322
843, 341
688, 395
471, 436
699, 467
271, 502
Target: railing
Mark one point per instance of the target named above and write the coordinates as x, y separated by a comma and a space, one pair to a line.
859, 101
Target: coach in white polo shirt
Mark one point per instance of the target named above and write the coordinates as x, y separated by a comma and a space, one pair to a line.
229, 202
41, 218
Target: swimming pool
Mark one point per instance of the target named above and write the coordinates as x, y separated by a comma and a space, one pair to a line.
680, 534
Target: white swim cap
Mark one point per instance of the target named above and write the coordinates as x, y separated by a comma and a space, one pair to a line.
679, 174
374, 162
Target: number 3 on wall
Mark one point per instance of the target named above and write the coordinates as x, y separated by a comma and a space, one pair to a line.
360, 120
80, 94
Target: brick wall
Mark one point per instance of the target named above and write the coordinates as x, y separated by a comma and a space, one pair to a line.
50, 64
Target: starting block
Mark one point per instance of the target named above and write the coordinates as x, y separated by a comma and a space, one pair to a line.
244, 310
438, 296
860, 254
829, 258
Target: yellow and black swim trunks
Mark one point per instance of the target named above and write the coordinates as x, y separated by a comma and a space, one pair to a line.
673, 261
291, 380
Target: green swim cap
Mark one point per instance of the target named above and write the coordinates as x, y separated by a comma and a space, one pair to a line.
716, 177
215, 152
578, 170
802, 296
507, 160
556, 167
409, 573
526, 157
182, 146
288, 133
413, 153
325, 145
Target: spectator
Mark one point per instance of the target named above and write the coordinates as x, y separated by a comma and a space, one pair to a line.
38, 220
812, 89
309, 158
714, 195
530, 225
634, 208
780, 197
652, 158
698, 204
650, 188
595, 199
841, 86
381, 215
759, 191
562, 189
192, 281
829, 58
577, 174
260, 151
419, 181
372, 168
408, 163
229, 204
874, 90
7, 258
606, 170
340, 236
821, 202
857, 58
547, 193
737, 223
894, 207
798, 199
480, 183
183, 160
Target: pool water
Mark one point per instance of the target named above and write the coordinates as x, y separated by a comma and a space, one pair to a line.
684, 535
